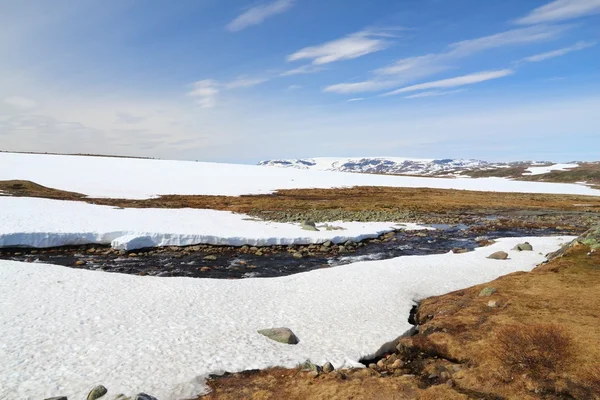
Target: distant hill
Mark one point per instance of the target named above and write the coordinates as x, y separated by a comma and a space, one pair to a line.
388, 165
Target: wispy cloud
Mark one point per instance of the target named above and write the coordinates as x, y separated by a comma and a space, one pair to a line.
454, 82
361, 87
355, 99
411, 69
559, 52
244, 83
20, 102
433, 93
517, 36
305, 69
352, 46
561, 10
205, 92
259, 13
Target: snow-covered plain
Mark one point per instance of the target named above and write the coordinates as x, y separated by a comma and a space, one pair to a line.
549, 168
66, 330
140, 179
48, 223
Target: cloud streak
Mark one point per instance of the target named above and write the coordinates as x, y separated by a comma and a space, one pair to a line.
411, 69
257, 14
351, 46
561, 10
433, 93
205, 92
559, 52
470, 79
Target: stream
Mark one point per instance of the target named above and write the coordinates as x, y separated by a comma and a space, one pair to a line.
238, 263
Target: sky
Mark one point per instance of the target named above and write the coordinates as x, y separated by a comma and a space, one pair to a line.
243, 81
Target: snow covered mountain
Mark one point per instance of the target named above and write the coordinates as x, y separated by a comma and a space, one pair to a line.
385, 165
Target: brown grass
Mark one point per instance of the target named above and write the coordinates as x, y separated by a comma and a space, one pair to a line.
349, 199
537, 350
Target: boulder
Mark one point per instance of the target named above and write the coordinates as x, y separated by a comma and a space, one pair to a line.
309, 225
97, 392
210, 258
487, 292
144, 396
499, 255
57, 398
328, 367
459, 250
281, 335
523, 247
327, 244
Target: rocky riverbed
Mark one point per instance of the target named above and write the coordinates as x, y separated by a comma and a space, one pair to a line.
227, 262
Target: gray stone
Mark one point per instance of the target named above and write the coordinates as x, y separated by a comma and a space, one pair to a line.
281, 335
297, 255
97, 392
499, 255
144, 396
523, 247
327, 243
210, 258
487, 292
328, 367
57, 398
309, 226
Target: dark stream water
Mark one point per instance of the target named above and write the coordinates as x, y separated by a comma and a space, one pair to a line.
231, 263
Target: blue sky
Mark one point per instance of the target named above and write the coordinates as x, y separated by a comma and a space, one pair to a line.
241, 81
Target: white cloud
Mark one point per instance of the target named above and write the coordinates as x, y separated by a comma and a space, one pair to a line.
257, 14
561, 10
355, 99
559, 52
454, 82
517, 36
412, 68
205, 92
305, 69
352, 46
244, 83
360, 87
433, 93
20, 102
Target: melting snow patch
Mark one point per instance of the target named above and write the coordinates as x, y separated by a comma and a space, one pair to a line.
50, 223
549, 168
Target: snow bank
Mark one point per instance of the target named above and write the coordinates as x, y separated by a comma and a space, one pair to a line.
140, 179
549, 168
66, 330
49, 223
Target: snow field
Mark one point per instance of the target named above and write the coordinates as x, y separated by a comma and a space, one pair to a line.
49, 223
550, 168
140, 178
67, 330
